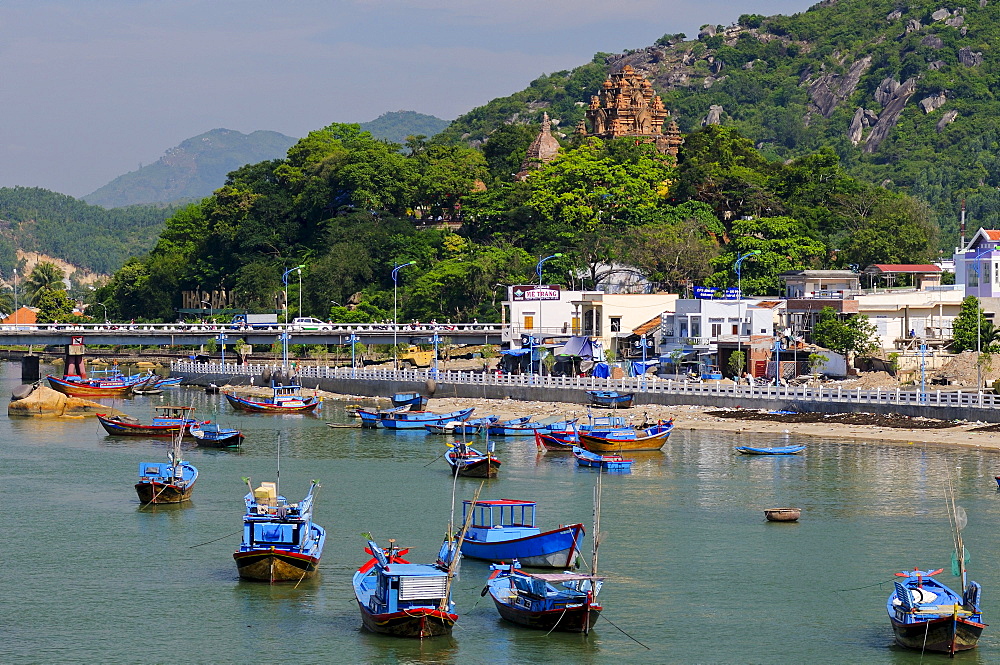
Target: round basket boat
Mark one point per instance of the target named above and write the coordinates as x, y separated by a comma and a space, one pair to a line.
782, 514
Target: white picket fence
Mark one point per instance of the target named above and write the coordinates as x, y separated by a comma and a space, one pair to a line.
936, 398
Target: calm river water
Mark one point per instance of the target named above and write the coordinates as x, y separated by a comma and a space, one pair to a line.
694, 571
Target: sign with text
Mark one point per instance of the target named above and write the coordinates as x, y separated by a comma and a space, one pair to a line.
714, 292
534, 292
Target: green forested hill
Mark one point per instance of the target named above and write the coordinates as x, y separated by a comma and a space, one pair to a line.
905, 93
397, 125
87, 236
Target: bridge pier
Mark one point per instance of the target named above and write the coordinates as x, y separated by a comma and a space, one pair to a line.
76, 364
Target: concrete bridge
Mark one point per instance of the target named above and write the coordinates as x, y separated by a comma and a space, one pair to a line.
175, 334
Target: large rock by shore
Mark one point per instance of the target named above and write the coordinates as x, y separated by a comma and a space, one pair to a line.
44, 401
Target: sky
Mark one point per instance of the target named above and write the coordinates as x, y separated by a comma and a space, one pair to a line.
93, 89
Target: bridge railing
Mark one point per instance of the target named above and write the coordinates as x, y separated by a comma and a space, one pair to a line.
937, 398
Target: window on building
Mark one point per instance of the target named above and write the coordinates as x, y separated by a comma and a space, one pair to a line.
736, 329
695, 327
529, 321
716, 329
616, 324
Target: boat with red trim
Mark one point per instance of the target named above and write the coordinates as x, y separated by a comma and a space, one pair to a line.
466, 461
78, 386
504, 529
167, 421
286, 399
167, 483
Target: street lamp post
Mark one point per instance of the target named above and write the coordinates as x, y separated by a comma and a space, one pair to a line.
644, 343
284, 280
222, 337
15, 295
739, 307
395, 288
105, 312
435, 340
978, 258
211, 310
353, 339
284, 337
541, 333
300, 290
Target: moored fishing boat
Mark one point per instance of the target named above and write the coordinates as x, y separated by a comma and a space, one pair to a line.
167, 483
413, 401
170, 382
370, 417
458, 427
652, 438
466, 461
612, 462
417, 419
280, 543
76, 386
530, 427
929, 616
610, 399
504, 529
774, 450
556, 442
534, 599
167, 421
286, 399
211, 435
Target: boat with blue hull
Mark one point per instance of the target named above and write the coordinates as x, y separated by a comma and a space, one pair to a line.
468, 462
618, 441
413, 401
285, 399
212, 435
167, 421
417, 419
370, 417
610, 399
774, 450
469, 427
611, 463
927, 615
504, 529
530, 427
280, 543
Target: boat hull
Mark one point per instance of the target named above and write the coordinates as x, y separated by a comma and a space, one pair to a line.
414, 622
938, 634
557, 548
602, 445
780, 450
80, 389
274, 565
484, 468
241, 404
577, 620
155, 492
120, 428
610, 399
226, 441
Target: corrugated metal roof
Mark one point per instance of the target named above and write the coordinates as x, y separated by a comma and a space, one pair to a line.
902, 267
647, 327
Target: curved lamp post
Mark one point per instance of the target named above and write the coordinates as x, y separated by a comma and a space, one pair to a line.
541, 334
211, 310
395, 287
284, 280
739, 308
105, 312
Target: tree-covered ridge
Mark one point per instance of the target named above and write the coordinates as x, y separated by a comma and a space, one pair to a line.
904, 93
350, 208
88, 236
397, 126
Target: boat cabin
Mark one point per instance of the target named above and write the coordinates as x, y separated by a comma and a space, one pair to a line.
403, 586
271, 521
158, 472
500, 520
171, 415
287, 395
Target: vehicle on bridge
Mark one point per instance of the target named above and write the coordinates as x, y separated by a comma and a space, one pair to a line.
309, 323
246, 321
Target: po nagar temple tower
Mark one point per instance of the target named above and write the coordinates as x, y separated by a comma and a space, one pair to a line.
627, 106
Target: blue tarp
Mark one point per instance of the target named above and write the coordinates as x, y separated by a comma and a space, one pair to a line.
601, 370
579, 346
516, 352
639, 368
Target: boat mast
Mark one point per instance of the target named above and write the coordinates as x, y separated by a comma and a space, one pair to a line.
958, 519
597, 526
277, 480
457, 552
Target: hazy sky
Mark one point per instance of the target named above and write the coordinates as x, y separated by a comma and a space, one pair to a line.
91, 89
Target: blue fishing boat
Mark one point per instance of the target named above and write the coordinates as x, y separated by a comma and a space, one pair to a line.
504, 529
211, 435
170, 382
459, 427
927, 615
167, 483
413, 401
370, 417
530, 427
775, 450
167, 421
406, 599
610, 399
281, 543
552, 601
557, 442
613, 462
417, 419
285, 399
466, 461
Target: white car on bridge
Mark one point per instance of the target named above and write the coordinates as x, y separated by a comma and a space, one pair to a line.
309, 323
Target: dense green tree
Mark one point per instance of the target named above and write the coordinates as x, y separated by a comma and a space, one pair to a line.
971, 330
54, 306
853, 335
44, 278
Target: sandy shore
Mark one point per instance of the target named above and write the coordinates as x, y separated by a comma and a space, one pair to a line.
692, 418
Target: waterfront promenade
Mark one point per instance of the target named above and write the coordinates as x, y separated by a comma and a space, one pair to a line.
938, 404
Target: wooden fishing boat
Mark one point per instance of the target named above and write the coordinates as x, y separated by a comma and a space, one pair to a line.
370, 417
652, 438
170, 382
76, 386
286, 399
775, 450
211, 435
404, 599
167, 483
535, 600
927, 615
281, 543
610, 399
530, 427
167, 421
555, 443
782, 514
612, 462
504, 529
417, 419
458, 427
414, 401
468, 462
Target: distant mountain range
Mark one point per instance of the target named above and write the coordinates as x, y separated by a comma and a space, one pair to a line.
198, 166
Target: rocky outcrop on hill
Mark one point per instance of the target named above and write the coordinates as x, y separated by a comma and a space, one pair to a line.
893, 105
830, 89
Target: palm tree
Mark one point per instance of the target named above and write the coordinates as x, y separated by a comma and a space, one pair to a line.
46, 276
7, 301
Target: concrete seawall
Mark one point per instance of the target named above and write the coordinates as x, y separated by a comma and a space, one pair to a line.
378, 388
